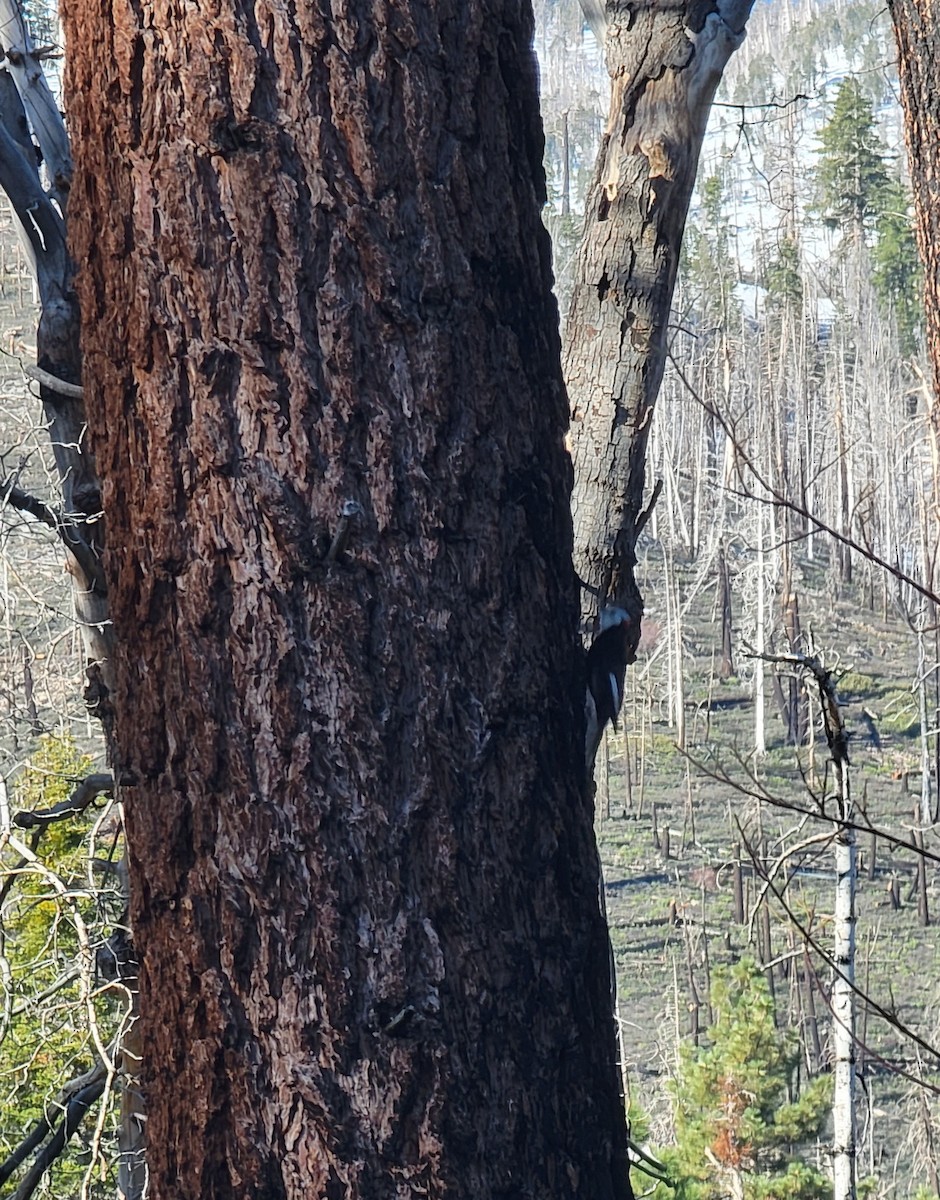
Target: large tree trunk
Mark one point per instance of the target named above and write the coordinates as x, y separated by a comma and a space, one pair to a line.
665, 63
314, 283
917, 32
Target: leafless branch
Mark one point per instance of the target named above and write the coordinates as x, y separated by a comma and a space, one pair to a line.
73, 391
69, 531
87, 791
761, 794
808, 937
74, 1101
648, 511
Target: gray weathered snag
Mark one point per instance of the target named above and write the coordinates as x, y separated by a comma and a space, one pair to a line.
665, 63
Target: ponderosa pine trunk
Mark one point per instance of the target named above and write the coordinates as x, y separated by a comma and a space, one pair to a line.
665, 62
917, 32
314, 282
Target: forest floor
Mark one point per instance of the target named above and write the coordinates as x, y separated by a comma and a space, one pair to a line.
670, 904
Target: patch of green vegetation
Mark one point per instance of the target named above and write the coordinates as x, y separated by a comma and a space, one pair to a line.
622, 854
43, 1045
662, 747
855, 684
737, 1133
899, 714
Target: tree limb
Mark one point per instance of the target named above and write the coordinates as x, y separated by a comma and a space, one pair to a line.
88, 790
648, 511
42, 222
23, 62
73, 391
75, 1113
69, 531
777, 500
761, 795
886, 1015
77, 1095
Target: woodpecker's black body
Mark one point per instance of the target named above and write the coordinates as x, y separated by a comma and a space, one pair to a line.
607, 661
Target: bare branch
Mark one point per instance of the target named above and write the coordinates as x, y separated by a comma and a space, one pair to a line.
88, 790
777, 500
879, 1010
75, 1112
41, 221
23, 62
80, 1092
817, 814
72, 391
69, 531
648, 511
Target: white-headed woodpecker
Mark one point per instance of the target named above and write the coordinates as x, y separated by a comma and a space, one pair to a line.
607, 661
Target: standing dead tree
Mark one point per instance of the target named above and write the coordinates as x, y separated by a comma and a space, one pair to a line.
843, 1001
665, 63
32, 132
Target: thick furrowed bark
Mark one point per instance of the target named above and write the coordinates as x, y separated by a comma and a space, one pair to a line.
364, 879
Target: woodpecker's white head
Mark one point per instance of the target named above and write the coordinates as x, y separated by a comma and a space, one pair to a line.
611, 617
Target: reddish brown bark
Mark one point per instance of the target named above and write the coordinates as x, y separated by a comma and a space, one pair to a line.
918, 37
665, 63
364, 880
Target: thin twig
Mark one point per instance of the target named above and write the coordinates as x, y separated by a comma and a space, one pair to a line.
776, 500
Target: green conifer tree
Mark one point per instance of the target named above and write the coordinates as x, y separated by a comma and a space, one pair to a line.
738, 1132
707, 265
783, 278
858, 195
852, 174
896, 271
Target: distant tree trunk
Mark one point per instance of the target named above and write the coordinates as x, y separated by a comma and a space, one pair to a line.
323, 377
795, 710
665, 63
845, 919
565, 167
923, 907
843, 1012
924, 670
760, 643
727, 617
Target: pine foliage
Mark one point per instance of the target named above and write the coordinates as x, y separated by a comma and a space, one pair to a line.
738, 1131
852, 175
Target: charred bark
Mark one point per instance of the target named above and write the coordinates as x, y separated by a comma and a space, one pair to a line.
315, 289
665, 63
26, 104
726, 670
